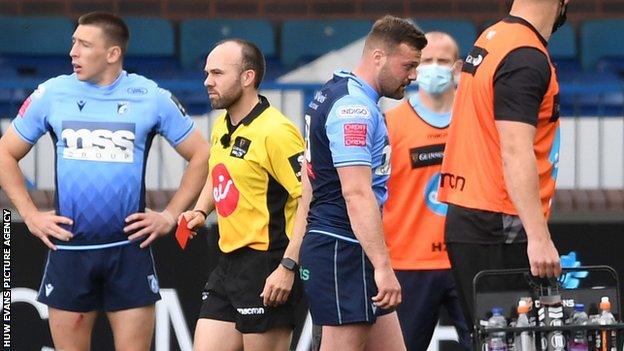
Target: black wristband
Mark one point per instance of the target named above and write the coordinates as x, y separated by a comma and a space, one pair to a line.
289, 264
202, 212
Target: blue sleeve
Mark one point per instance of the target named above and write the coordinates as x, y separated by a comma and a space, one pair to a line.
174, 124
31, 121
350, 128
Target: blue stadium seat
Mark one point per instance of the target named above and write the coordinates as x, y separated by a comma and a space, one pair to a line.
564, 53
150, 37
464, 32
151, 51
36, 46
600, 38
562, 44
303, 40
198, 37
592, 93
35, 35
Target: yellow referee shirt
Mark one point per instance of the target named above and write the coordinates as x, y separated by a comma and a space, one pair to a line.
255, 169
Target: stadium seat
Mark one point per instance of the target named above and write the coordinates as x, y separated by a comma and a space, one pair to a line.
464, 31
36, 46
151, 51
562, 44
564, 53
600, 38
303, 40
592, 93
35, 35
150, 37
198, 37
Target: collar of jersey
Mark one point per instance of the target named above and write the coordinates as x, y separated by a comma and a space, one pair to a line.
520, 20
366, 88
438, 120
107, 88
262, 105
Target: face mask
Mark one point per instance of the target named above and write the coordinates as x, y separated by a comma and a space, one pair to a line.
561, 19
434, 79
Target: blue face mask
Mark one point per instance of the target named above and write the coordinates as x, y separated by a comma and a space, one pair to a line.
434, 79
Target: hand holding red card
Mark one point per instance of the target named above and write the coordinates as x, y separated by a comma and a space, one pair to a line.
182, 234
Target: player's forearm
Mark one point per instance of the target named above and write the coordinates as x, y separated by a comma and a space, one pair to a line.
205, 202
301, 222
365, 219
521, 179
191, 184
14, 185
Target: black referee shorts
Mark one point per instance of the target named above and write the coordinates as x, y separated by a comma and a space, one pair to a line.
232, 293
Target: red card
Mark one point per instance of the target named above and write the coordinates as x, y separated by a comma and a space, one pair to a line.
182, 234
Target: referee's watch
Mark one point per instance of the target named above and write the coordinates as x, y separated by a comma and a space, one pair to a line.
289, 264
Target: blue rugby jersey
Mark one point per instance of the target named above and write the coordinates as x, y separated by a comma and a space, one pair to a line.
102, 136
344, 127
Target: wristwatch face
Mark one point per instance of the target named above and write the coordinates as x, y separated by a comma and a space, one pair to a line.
288, 263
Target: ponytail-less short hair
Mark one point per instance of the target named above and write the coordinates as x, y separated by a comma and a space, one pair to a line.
251, 58
390, 32
114, 28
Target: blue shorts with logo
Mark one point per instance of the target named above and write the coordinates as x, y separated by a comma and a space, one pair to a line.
338, 280
110, 279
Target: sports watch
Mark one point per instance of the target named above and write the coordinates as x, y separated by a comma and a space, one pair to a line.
289, 264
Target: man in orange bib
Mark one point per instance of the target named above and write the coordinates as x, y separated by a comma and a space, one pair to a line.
500, 162
413, 218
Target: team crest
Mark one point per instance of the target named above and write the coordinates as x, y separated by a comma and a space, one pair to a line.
153, 283
122, 107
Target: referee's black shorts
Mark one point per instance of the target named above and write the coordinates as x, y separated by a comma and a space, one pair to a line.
232, 292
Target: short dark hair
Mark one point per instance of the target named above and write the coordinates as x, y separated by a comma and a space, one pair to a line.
392, 31
251, 58
114, 28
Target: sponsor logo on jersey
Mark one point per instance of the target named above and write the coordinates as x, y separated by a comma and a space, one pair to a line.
240, 148
137, 90
175, 101
453, 181
98, 141
224, 190
37, 94
122, 107
296, 161
431, 196
320, 97
24, 108
81, 104
355, 134
354, 111
429, 155
474, 60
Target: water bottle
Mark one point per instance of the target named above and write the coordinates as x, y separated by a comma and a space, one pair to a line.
578, 338
593, 335
550, 314
523, 341
496, 341
608, 338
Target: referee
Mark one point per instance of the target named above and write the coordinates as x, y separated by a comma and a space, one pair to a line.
254, 183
